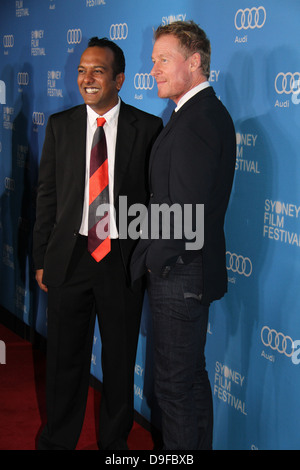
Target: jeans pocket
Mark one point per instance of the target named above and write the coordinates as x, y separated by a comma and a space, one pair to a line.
192, 304
190, 295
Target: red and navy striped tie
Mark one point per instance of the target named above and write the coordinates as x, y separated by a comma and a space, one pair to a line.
98, 233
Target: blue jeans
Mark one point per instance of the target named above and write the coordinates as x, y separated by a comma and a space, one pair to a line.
181, 382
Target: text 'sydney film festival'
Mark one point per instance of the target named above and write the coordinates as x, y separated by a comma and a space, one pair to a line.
253, 336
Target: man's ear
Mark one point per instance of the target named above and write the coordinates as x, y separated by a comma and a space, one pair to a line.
195, 61
120, 78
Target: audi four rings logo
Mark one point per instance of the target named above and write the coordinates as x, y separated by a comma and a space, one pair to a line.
143, 81
74, 36
8, 40
118, 31
23, 78
238, 264
277, 341
38, 118
287, 82
250, 18
9, 184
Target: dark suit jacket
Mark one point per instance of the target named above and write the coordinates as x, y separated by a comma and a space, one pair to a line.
62, 180
193, 162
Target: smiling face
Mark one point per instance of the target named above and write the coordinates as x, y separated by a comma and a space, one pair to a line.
97, 84
175, 73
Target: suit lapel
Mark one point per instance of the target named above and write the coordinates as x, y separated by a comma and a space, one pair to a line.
156, 144
77, 143
125, 140
172, 122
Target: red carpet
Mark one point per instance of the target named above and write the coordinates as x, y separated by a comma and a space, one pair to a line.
22, 401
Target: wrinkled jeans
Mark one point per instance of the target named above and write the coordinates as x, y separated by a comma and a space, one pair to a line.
181, 383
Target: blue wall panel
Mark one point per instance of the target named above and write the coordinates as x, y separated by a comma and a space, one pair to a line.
252, 362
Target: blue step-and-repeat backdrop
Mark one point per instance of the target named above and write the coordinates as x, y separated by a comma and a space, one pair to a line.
253, 344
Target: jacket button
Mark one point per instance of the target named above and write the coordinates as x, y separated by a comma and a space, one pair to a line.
151, 194
75, 233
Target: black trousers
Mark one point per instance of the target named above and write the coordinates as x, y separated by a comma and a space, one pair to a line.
91, 289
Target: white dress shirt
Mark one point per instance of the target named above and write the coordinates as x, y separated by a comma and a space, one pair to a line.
190, 94
110, 129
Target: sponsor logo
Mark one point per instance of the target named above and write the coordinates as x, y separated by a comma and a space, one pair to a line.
118, 31
9, 184
95, 3
228, 385
8, 40
8, 113
52, 89
143, 81
20, 10
281, 222
277, 341
238, 264
244, 144
74, 36
36, 37
38, 118
8, 256
23, 78
171, 18
287, 83
250, 18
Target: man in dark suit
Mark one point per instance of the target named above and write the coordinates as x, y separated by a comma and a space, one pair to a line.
77, 284
191, 165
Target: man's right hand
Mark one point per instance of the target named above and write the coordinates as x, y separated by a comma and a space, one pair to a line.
39, 278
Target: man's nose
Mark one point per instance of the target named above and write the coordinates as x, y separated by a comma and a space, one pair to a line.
89, 77
154, 70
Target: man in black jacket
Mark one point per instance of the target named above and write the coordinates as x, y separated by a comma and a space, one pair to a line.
191, 167
77, 284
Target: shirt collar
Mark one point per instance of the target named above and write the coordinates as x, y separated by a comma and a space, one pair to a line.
111, 116
191, 93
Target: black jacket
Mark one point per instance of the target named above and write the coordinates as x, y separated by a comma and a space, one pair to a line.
62, 180
192, 162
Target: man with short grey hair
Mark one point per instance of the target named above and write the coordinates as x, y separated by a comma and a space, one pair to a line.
192, 163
